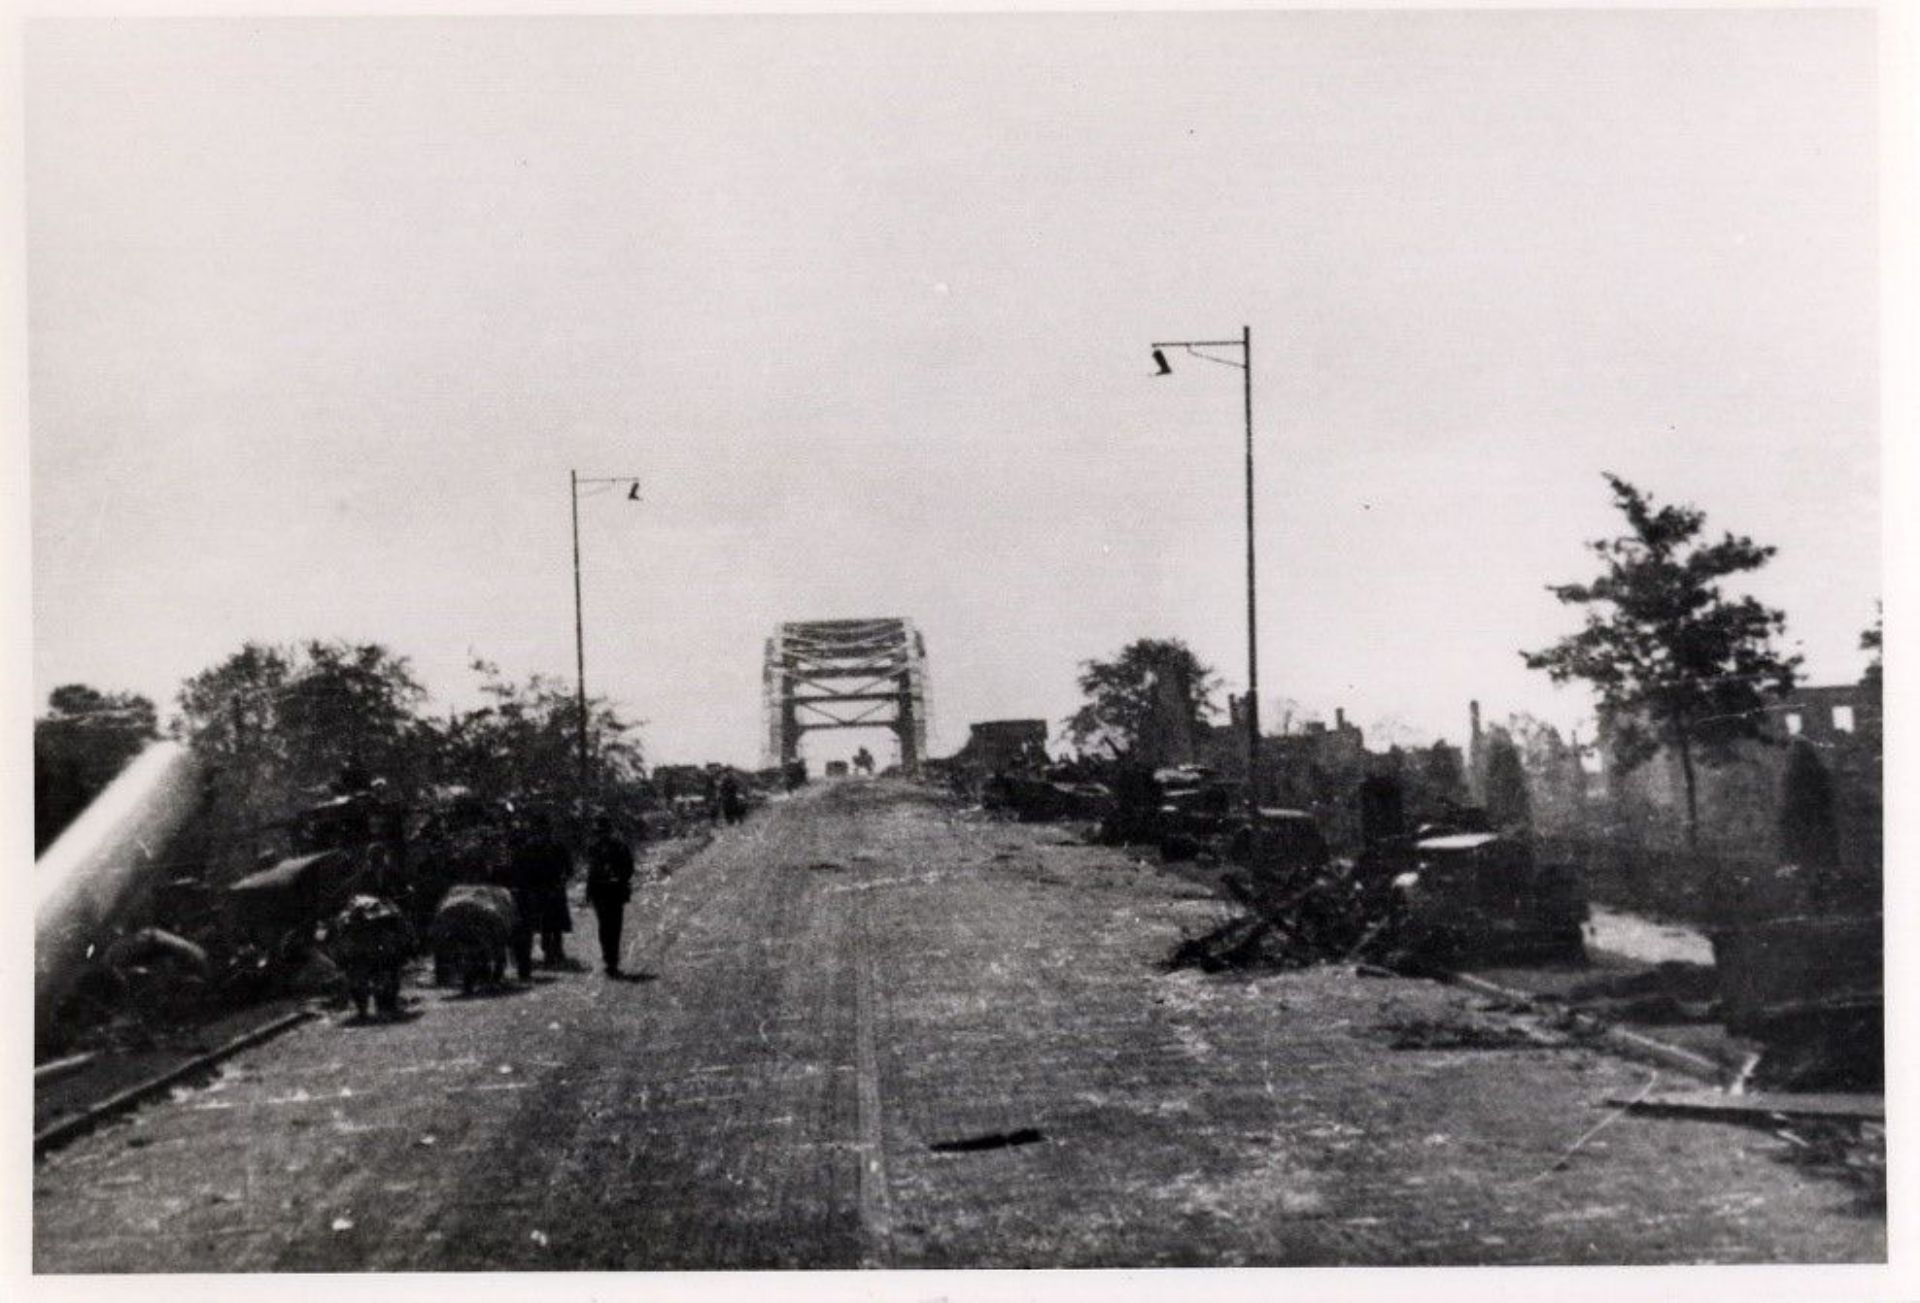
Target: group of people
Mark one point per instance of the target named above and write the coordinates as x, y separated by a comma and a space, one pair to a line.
538, 871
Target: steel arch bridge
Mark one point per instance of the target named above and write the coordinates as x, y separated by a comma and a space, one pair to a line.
846, 674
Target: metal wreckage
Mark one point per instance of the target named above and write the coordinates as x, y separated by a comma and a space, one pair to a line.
1444, 891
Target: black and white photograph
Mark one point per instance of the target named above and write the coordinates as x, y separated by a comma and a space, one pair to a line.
905, 642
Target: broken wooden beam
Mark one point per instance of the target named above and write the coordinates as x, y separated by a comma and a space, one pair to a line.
1762, 1105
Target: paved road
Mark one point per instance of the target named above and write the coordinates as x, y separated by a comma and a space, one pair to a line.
850, 984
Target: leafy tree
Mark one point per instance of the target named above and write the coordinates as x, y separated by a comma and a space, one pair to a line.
1508, 804
523, 745
1673, 660
1144, 700
278, 724
1809, 832
83, 741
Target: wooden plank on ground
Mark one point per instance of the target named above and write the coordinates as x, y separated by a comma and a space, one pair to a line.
1704, 1103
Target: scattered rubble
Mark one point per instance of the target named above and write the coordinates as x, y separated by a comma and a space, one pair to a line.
1853, 1154
1671, 992
1467, 1034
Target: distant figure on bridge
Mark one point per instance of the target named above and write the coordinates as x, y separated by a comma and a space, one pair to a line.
540, 869
609, 887
863, 761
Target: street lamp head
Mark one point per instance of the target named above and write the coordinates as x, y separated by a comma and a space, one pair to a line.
1160, 360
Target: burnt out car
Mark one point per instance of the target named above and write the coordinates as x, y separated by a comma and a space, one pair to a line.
1280, 845
1474, 895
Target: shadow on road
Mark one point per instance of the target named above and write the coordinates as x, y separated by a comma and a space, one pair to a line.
363, 1021
493, 992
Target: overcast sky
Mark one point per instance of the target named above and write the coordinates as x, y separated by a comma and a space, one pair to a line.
322, 312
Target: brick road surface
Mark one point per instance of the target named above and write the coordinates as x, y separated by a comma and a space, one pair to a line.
855, 976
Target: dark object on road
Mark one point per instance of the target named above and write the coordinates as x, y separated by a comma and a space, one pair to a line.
609, 887
1134, 814
294, 892
1281, 851
371, 942
471, 934
1461, 896
540, 869
993, 1140
1425, 900
733, 798
153, 949
1196, 809
836, 769
163, 977
1810, 989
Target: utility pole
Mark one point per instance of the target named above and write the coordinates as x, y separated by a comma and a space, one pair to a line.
1253, 626
1245, 345
574, 481
579, 651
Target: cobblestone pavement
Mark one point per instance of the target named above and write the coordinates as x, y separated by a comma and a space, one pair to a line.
883, 1031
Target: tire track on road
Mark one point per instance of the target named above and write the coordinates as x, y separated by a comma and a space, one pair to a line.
876, 1205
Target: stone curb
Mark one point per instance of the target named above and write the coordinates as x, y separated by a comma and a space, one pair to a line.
59, 1133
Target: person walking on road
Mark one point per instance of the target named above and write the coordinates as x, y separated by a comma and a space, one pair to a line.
733, 802
609, 887
541, 867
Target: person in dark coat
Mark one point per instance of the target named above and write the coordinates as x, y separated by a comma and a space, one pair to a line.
541, 867
609, 887
733, 801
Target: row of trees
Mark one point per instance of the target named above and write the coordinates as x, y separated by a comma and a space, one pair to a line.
277, 724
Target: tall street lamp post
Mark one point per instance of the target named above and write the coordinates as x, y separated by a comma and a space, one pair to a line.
574, 481
1245, 364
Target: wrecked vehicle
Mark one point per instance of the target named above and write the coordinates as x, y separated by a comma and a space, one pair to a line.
291, 896
1196, 808
1475, 895
1283, 845
1039, 797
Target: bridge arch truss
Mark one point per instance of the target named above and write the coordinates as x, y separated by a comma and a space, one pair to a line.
830, 674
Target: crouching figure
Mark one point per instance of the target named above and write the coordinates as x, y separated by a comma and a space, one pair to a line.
471, 932
371, 942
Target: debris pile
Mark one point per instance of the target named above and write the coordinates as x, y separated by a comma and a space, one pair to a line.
1331, 918
1809, 988
1854, 1154
1670, 992
1465, 1033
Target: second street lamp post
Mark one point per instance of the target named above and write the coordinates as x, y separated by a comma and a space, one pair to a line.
574, 481
1245, 364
